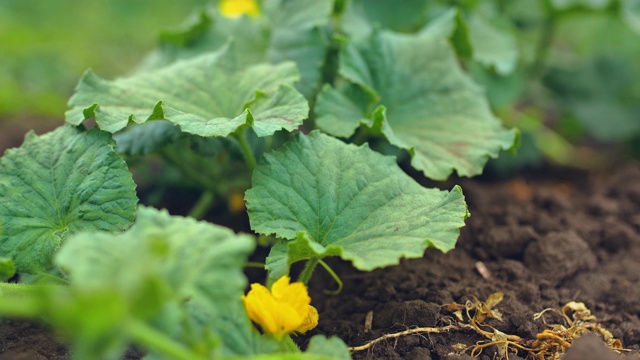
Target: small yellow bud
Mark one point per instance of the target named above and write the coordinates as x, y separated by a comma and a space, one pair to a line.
283, 310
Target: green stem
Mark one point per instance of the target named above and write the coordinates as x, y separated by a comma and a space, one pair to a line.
335, 277
308, 270
362, 135
287, 345
21, 307
8, 290
203, 205
23, 300
151, 338
241, 136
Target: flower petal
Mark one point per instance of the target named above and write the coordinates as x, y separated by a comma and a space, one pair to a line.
310, 321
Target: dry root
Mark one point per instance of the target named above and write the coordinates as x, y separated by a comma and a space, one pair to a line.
550, 344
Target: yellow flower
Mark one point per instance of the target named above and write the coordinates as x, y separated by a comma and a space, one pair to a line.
235, 8
282, 310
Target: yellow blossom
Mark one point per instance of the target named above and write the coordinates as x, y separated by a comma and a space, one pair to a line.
235, 8
284, 309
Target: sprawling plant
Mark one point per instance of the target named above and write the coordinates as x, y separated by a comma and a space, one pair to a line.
283, 101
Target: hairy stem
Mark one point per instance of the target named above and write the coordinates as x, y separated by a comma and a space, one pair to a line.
249, 158
308, 270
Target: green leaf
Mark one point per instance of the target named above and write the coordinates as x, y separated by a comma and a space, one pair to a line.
361, 16
163, 271
338, 199
58, 184
287, 30
143, 139
419, 99
631, 14
596, 89
207, 96
7, 268
329, 346
493, 47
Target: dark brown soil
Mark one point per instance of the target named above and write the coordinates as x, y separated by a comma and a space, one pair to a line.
545, 240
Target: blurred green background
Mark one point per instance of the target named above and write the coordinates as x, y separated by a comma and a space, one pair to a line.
565, 72
46, 45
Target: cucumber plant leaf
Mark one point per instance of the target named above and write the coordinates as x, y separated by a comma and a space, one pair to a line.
286, 30
58, 184
209, 95
419, 99
154, 273
349, 201
492, 46
630, 13
361, 16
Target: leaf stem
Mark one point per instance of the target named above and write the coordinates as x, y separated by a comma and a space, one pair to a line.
204, 203
335, 277
153, 339
287, 345
22, 307
249, 158
308, 270
8, 290
22, 300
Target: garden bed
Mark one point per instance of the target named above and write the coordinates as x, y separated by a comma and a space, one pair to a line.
545, 239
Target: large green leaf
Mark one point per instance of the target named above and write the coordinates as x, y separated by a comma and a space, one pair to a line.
58, 184
210, 95
419, 98
286, 30
338, 199
165, 271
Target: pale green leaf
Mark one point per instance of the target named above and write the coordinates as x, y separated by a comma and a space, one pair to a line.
493, 47
362, 16
420, 100
339, 199
631, 14
142, 139
57, 184
209, 95
329, 346
285, 31
165, 270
